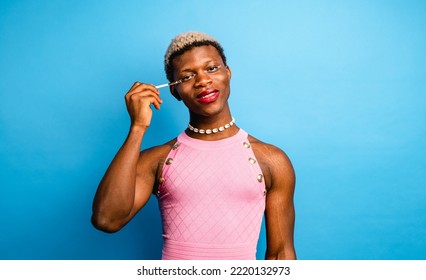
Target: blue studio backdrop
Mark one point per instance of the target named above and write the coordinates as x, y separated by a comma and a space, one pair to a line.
339, 85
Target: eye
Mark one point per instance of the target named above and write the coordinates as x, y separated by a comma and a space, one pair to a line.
187, 77
213, 68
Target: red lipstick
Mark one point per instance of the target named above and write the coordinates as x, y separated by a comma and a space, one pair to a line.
208, 96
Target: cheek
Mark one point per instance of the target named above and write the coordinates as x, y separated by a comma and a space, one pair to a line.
222, 79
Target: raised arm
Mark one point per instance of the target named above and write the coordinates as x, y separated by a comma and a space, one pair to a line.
129, 180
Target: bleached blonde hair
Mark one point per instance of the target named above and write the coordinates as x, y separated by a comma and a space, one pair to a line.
186, 41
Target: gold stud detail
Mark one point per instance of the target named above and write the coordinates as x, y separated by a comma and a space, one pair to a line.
260, 178
247, 145
176, 145
161, 180
169, 161
252, 160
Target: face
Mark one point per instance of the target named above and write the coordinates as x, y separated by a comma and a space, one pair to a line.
205, 86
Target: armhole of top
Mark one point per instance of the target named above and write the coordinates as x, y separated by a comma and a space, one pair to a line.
159, 174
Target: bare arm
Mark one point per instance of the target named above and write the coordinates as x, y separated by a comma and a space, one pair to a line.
279, 212
129, 180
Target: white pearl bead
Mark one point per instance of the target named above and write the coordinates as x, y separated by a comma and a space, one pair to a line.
213, 130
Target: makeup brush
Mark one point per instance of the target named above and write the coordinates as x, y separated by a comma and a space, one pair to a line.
169, 84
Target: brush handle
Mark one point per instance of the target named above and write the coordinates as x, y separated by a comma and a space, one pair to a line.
161, 86
169, 84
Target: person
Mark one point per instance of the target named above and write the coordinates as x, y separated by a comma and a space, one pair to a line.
214, 182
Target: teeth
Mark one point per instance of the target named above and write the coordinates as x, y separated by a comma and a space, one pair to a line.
208, 95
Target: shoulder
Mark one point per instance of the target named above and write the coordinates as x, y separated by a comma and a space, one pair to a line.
274, 162
154, 157
158, 152
268, 152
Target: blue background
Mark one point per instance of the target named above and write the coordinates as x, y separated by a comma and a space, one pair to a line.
339, 85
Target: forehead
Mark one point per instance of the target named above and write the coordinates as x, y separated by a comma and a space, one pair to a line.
196, 57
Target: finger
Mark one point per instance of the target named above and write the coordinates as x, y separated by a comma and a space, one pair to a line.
144, 95
141, 93
150, 101
149, 93
134, 86
144, 85
140, 87
153, 88
156, 105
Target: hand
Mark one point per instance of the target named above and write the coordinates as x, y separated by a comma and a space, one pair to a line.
138, 101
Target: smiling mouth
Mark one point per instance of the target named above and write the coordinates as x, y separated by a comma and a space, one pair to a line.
208, 96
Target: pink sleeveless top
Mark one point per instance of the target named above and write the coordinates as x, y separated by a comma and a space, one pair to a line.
212, 199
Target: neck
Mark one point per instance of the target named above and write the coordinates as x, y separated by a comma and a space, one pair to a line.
211, 127
212, 119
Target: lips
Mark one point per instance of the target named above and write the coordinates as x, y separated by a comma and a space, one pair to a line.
208, 96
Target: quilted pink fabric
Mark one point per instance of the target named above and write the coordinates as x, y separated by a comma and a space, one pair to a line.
212, 199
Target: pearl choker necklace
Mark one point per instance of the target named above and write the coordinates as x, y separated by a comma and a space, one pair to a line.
213, 130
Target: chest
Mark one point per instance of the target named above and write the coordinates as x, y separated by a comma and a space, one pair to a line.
228, 175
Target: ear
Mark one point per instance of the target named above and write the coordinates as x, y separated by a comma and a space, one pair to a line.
175, 93
228, 71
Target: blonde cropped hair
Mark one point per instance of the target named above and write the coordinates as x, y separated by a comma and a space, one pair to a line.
185, 42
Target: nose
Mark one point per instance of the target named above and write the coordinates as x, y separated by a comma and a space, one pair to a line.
202, 79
